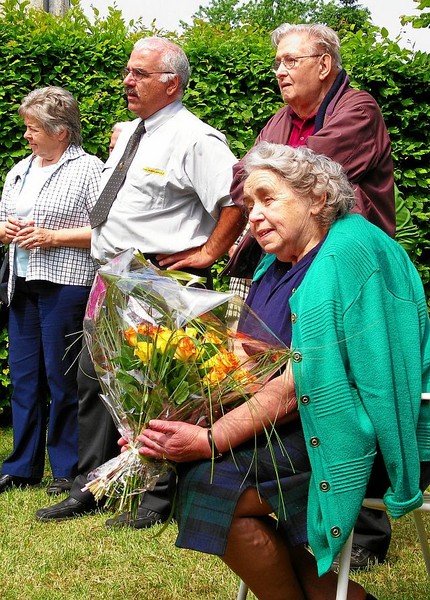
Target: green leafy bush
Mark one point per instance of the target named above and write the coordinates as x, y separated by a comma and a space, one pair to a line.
232, 88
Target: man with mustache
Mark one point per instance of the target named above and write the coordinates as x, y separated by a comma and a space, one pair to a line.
175, 207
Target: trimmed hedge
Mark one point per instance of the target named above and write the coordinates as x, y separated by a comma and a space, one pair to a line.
232, 87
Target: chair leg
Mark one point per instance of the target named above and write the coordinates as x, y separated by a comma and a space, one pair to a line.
422, 536
243, 591
343, 575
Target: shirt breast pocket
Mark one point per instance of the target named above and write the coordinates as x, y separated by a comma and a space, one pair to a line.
150, 183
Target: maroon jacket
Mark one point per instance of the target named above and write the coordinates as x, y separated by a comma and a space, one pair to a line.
354, 134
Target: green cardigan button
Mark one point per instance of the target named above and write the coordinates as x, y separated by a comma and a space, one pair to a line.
293, 318
297, 357
304, 400
335, 532
324, 486
314, 442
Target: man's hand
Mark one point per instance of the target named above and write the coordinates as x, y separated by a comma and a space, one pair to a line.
196, 258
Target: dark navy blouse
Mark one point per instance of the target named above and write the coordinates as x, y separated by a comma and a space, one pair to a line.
269, 296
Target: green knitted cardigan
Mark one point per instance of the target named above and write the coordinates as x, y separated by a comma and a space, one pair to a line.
361, 342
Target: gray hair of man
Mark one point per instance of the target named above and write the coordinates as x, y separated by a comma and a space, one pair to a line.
55, 109
321, 39
173, 59
308, 175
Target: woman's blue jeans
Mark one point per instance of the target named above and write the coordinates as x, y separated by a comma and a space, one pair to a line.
45, 330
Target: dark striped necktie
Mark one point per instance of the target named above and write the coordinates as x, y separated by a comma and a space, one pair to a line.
107, 197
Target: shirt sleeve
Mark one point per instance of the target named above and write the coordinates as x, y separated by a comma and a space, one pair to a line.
209, 166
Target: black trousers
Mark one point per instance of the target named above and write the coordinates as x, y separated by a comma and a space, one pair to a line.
98, 435
373, 531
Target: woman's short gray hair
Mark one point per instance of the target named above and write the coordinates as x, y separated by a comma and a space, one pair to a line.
55, 109
173, 59
321, 39
307, 174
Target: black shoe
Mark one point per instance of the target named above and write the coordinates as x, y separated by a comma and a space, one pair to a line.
60, 485
67, 509
370, 597
361, 558
9, 481
144, 518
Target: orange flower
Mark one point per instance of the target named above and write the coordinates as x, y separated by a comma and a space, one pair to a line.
220, 365
211, 338
229, 360
243, 376
215, 375
148, 329
185, 349
130, 335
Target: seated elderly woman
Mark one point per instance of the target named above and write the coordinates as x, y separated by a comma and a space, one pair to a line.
348, 300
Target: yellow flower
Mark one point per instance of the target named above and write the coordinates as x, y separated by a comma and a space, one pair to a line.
163, 339
144, 351
191, 332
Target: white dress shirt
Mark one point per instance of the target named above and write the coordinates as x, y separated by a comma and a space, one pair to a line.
177, 184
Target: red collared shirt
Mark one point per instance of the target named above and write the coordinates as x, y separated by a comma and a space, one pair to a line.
301, 129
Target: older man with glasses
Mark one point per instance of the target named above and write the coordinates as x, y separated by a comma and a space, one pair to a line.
323, 112
166, 192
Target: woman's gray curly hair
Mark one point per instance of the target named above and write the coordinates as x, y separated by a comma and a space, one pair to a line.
307, 174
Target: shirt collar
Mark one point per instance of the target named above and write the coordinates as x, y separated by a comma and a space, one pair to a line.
161, 116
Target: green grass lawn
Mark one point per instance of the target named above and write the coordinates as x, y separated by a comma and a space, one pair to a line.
82, 559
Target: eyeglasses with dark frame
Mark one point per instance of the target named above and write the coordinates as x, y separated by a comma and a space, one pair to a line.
139, 74
290, 62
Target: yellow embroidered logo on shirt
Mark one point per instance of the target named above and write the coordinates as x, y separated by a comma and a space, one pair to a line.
155, 171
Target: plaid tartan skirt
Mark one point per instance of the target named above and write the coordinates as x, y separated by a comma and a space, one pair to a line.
208, 492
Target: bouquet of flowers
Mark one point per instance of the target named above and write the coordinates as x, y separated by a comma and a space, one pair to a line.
160, 351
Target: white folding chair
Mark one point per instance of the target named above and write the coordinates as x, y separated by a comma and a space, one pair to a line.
243, 591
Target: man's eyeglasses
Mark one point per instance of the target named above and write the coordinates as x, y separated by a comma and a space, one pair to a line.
290, 62
139, 74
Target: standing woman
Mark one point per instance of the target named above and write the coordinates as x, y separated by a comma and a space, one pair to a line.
44, 217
